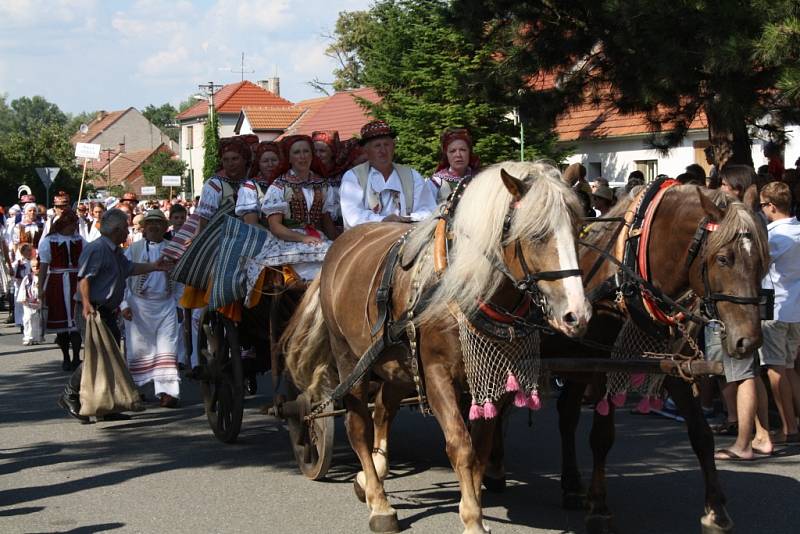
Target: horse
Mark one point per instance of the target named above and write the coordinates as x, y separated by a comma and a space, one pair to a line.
700, 242
513, 233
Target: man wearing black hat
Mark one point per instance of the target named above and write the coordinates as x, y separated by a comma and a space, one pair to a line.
381, 190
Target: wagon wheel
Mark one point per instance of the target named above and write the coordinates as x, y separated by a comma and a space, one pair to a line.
221, 383
312, 443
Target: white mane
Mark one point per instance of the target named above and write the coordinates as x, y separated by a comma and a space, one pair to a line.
478, 228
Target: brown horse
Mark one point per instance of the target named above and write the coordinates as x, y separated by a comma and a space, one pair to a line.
508, 226
734, 257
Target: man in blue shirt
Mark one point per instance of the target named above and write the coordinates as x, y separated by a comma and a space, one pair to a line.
102, 270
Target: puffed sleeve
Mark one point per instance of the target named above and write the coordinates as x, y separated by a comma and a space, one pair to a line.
352, 203
424, 198
43, 251
210, 197
331, 206
275, 202
247, 199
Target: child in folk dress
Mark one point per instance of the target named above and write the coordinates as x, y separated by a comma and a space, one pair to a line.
28, 296
20, 268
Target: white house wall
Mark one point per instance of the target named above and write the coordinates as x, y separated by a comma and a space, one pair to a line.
194, 156
618, 156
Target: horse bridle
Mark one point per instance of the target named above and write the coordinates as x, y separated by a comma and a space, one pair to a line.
711, 298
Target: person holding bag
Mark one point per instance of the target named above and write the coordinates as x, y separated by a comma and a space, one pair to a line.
102, 270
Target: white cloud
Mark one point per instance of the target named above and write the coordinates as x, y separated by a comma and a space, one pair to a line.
253, 14
24, 13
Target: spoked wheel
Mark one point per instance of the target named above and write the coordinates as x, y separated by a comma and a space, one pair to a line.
312, 442
222, 377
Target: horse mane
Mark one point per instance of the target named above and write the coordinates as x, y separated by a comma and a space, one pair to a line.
478, 231
738, 219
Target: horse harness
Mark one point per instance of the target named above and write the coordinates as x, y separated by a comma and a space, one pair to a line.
652, 310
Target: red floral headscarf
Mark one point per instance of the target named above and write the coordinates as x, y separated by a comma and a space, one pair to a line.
236, 144
330, 138
452, 134
260, 149
286, 146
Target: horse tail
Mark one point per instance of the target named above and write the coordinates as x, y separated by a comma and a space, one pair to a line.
306, 346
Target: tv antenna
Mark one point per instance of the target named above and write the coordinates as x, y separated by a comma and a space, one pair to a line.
242, 68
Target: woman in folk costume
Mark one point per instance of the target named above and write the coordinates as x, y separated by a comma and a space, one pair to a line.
299, 207
267, 164
58, 281
151, 324
457, 162
328, 149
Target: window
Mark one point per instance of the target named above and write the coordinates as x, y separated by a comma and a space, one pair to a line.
190, 137
595, 170
649, 168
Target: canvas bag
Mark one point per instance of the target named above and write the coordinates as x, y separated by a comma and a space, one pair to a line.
106, 384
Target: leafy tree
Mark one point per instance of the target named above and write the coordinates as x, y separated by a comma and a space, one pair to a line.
164, 118
161, 164
34, 133
211, 162
350, 34
75, 121
668, 60
427, 76
779, 47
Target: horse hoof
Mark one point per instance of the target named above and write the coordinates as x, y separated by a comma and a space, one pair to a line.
384, 523
573, 501
360, 493
494, 485
599, 524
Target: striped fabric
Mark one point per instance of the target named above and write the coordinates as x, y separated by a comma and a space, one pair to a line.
175, 248
240, 243
194, 266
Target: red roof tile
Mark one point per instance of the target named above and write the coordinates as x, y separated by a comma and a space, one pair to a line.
233, 97
339, 112
123, 165
590, 121
103, 120
272, 117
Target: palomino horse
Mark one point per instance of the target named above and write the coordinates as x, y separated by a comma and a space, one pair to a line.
505, 230
727, 267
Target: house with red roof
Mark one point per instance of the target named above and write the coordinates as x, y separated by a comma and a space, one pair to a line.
122, 169
125, 128
228, 104
342, 111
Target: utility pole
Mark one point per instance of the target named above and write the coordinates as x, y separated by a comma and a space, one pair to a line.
108, 152
210, 89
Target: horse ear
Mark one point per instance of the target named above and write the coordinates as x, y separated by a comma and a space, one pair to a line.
515, 186
711, 209
750, 197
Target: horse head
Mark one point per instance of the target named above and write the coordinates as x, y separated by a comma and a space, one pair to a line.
539, 249
729, 274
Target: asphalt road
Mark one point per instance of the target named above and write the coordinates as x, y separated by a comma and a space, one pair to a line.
164, 471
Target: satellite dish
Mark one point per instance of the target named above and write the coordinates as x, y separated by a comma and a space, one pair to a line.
84, 129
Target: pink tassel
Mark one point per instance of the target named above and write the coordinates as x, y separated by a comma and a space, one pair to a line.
602, 407
657, 403
637, 379
534, 402
475, 412
520, 399
618, 400
489, 410
644, 405
511, 383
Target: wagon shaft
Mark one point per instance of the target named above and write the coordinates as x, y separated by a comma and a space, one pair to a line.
639, 365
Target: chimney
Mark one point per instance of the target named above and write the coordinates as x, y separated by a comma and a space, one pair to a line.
100, 114
273, 85
122, 147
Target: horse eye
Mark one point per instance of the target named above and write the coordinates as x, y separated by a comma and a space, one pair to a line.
722, 260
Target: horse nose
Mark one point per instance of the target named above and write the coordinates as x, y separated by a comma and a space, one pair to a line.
745, 345
570, 319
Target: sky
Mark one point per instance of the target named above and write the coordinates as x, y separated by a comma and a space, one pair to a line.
88, 55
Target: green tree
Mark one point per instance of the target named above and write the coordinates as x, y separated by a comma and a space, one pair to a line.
161, 164
668, 60
75, 121
211, 162
164, 117
427, 76
34, 134
779, 47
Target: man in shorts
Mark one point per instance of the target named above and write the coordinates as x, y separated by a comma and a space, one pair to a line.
781, 335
